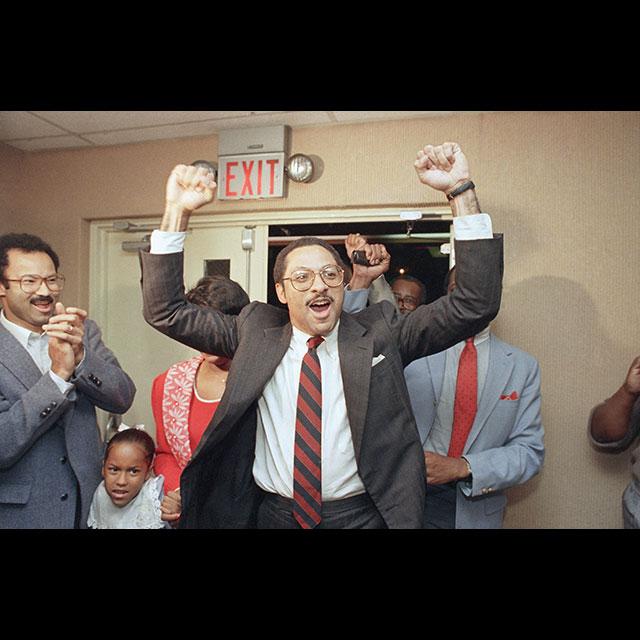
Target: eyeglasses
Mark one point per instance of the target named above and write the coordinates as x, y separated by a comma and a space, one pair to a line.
302, 280
30, 284
407, 301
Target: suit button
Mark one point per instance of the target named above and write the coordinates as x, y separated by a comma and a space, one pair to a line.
43, 414
64, 496
54, 404
98, 382
63, 459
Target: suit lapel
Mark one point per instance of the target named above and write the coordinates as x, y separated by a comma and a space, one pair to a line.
252, 372
498, 373
17, 360
426, 404
356, 354
435, 367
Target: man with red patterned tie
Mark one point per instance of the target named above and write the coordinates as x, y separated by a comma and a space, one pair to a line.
315, 429
477, 406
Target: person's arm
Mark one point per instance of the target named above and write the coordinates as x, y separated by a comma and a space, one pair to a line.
164, 305
522, 454
611, 421
100, 377
366, 278
165, 462
479, 262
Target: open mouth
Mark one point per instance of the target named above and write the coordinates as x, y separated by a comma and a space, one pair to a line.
320, 307
44, 306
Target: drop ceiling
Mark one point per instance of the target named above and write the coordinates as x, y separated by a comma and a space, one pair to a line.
40, 130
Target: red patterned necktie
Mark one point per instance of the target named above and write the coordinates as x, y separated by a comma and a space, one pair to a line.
466, 402
307, 478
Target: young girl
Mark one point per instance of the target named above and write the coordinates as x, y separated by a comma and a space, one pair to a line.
129, 496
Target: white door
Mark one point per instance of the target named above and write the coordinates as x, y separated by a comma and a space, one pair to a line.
116, 300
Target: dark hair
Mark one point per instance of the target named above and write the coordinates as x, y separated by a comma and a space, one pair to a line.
134, 436
219, 293
23, 242
279, 267
447, 279
423, 289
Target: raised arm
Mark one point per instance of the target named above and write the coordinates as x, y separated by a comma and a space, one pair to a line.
164, 305
476, 300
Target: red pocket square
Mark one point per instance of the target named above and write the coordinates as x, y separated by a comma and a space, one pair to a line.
513, 396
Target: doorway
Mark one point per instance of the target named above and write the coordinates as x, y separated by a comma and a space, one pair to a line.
415, 252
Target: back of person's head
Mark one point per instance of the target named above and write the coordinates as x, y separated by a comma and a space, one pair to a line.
136, 437
28, 244
449, 280
407, 278
220, 293
280, 266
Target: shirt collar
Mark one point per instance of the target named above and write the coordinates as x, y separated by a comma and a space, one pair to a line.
21, 334
299, 340
483, 335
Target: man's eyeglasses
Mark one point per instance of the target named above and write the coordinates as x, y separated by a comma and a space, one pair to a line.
302, 279
407, 301
30, 284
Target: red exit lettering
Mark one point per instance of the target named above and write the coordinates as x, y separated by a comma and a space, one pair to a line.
252, 178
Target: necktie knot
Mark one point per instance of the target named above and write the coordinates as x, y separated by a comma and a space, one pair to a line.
312, 343
469, 340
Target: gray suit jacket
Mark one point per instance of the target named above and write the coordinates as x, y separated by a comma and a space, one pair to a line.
50, 445
217, 486
505, 446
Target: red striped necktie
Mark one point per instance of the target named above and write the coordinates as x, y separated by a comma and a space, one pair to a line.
466, 402
307, 474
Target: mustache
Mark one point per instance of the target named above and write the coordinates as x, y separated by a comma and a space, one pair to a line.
323, 297
44, 299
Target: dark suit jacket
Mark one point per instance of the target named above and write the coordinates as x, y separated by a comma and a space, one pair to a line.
50, 444
217, 486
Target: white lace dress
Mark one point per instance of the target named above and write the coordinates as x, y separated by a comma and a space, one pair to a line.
143, 512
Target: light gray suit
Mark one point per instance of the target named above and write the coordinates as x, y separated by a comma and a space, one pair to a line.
505, 446
50, 444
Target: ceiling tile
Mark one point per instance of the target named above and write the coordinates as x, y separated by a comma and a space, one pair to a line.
152, 133
22, 124
98, 121
365, 116
56, 142
291, 118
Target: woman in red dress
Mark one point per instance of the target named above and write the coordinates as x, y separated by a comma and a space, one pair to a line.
185, 397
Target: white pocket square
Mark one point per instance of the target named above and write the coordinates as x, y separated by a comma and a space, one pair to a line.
377, 359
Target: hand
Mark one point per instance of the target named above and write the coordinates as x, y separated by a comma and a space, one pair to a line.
443, 469
442, 167
189, 188
376, 254
632, 382
66, 331
171, 507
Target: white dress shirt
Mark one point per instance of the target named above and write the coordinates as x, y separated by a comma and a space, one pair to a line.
273, 465
37, 345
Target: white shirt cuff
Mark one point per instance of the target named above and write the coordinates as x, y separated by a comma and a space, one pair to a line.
62, 384
167, 241
476, 226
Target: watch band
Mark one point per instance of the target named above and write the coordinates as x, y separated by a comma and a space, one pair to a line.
461, 189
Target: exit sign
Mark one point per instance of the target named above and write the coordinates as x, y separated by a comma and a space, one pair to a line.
251, 176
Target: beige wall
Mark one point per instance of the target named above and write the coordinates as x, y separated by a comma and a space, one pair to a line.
562, 186
11, 162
